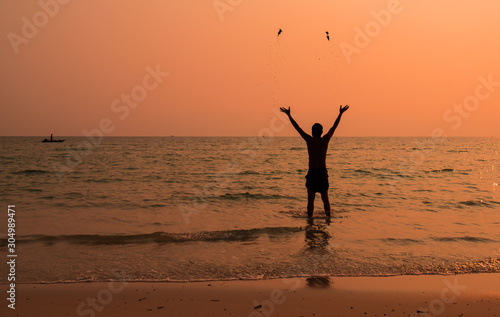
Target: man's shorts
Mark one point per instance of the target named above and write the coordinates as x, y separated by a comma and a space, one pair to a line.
317, 180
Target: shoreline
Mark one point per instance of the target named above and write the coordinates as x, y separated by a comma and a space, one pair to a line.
407, 295
444, 275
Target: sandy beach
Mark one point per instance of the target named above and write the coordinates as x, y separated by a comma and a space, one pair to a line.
436, 295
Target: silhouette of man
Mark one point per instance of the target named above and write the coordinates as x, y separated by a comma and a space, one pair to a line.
317, 146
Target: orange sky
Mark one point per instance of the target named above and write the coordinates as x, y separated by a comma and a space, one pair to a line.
227, 70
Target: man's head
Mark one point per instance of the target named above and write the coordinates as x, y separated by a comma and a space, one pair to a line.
317, 130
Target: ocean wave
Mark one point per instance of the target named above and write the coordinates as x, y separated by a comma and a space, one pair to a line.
329, 267
248, 172
247, 195
401, 241
268, 172
103, 180
443, 170
157, 206
438, 239
74, 194
478, 203
361, 171
32, 172
379, 173
423, 190
318, 215
32, 190
161, 237
471, 203
464, 238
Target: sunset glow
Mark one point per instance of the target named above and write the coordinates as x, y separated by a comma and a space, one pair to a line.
405, 67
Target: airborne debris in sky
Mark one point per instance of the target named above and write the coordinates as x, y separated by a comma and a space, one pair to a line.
327, 36
279, 32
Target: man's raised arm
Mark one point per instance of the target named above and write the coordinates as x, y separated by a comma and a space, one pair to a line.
332, 129
295, 125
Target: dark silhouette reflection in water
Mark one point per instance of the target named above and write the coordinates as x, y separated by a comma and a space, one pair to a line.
317, 239
317, 236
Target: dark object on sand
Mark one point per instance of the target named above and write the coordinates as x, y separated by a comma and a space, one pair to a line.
318, 282
327, 36
279, 32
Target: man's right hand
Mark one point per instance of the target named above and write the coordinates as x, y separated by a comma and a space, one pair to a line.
343, 109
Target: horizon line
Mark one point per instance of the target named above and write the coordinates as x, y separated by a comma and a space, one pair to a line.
235, 136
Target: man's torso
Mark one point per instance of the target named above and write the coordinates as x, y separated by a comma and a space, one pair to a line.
317, 148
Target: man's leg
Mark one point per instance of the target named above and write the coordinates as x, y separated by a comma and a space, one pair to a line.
310, 202
326, 202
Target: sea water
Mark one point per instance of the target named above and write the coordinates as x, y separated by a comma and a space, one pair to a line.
217, 208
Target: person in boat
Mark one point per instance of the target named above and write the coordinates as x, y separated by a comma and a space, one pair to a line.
51, 138
317, 146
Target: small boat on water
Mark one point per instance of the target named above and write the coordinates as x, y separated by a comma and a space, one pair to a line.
45, 140
52, 140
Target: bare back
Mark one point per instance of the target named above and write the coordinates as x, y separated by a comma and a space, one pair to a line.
317, 148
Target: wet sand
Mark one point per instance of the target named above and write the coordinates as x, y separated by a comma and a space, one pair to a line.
430, 295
